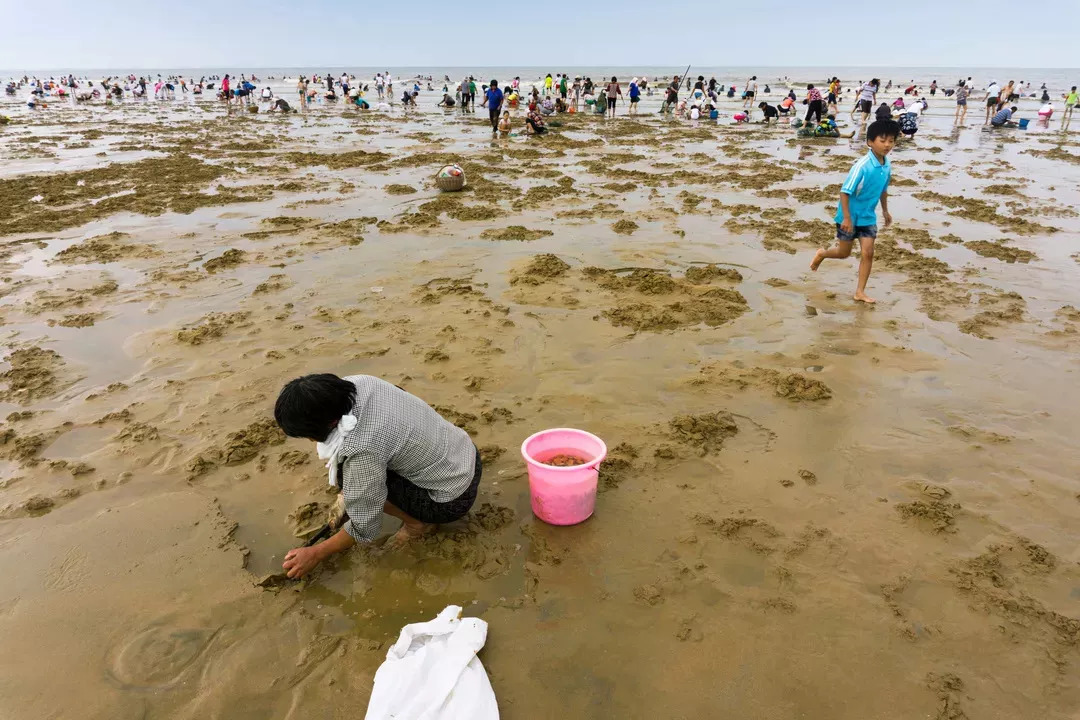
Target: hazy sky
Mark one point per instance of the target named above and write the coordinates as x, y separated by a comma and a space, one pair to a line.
237, 34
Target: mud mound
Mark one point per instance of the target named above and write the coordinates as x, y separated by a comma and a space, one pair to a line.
995, 580
518, 233
103, 249
816, 195
921, 239
684, 303
1000, 251
291, 459
795, 386
433, 291
753, 532
79, 320
150, 186
705, 274
540, 195
274, 283
239, 447
790, 385
71, 297
625, 227
335, 161
941, 515
617, 466
32, 375
212, 326
463, 420
705, 432
491, 453
493, 517
983, 211
307, 519
475, 549
228, 259
137, 433
539, 270
1006, 307
399, 189
22, 448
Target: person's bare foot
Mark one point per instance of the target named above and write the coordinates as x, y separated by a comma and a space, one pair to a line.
863, 297
409, 532
818, 257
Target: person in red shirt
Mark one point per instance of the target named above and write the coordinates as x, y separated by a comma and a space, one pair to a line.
813, 104
226, 91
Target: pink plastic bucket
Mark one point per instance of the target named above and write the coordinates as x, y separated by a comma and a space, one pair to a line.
563, 495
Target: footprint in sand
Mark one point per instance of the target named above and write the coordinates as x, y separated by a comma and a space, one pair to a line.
156, 657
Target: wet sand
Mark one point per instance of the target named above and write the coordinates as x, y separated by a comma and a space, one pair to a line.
811, 508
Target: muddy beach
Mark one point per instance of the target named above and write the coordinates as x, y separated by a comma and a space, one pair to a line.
810, 508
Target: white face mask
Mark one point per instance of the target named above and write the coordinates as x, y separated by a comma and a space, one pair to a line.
330, 448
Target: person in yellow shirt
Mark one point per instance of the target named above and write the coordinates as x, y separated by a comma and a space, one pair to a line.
1071, 100
834, 95
547, 84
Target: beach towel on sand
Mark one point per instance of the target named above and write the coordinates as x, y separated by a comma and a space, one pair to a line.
432, 673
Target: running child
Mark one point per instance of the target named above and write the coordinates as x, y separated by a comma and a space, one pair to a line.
867, 183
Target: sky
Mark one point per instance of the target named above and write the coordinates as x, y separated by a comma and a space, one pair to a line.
236, 34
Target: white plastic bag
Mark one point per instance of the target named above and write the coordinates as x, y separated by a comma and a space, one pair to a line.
432, 673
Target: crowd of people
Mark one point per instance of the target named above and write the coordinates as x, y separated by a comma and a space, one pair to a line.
561, 93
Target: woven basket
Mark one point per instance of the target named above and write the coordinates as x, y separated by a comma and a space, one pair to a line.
451, 183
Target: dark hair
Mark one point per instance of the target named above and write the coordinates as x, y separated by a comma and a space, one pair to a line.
614, 79
882, 128
310, 406
494, 83
809, 87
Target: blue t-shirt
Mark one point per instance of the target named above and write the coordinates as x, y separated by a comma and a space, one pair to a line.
494, 98
865, 182
634, 91
1002, 116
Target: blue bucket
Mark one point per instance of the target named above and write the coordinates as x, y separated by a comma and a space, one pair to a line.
1023, 123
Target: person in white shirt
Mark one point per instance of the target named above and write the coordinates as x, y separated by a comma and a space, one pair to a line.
748, 96
909, 119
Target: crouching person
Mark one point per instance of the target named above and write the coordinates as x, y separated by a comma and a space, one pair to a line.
387, 450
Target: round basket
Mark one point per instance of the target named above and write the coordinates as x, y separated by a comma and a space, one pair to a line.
450, 178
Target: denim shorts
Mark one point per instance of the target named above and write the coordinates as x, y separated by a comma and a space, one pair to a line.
858, 231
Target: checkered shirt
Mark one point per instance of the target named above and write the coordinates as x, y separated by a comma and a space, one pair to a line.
399, 432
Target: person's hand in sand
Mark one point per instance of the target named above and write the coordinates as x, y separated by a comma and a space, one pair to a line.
300, 561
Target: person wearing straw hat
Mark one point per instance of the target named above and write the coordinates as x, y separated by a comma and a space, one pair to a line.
387, 450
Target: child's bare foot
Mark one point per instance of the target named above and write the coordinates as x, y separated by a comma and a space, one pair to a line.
818, 257
863, 297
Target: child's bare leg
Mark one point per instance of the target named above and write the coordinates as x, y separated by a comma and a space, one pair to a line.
410, 527
838, 251
866, 261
